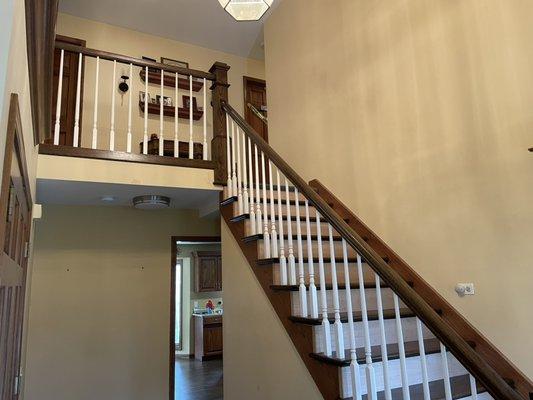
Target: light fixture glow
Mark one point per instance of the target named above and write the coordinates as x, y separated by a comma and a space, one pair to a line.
246, 10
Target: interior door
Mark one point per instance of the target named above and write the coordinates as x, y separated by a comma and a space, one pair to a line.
15, 224
255, 94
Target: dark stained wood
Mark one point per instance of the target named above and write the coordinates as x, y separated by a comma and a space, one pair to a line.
41, 18
357, 316
471, 360
168, 149
197, 380
325, 376
208, 271
193, 238
170, 80
255, 94
469, 333
170, 111
218, 143
67, 151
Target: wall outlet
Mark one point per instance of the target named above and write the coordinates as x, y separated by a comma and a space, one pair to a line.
465, 289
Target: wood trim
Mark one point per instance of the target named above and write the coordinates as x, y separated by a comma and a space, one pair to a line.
71, 40
462, 350
41, 18
172, 332
245, 80
483, 346
68, 151
219, 94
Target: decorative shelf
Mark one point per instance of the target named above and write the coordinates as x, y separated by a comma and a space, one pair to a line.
169, 111
169, 80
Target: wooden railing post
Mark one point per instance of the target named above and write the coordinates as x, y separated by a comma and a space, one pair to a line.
218, 143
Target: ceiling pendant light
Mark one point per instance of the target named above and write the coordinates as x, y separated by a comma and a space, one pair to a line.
246, 10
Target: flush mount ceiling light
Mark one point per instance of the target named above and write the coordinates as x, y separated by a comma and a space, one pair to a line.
151, 202
246, 10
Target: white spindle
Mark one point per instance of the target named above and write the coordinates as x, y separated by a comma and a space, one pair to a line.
95, 116
191, 143
323, 294
176, 120
354, 366
251, 184
229, 184
145, 136
246, 198
292, 261
401, 348
236, 134
58, 103
445, 372
161, 109
337, 325
273, 231
302, 291
258, 213
310, 264
77, 112
205, 121
423, 361
266, 235
282, 258
473, 387
233, 161
113, 89
129, 138
384, 355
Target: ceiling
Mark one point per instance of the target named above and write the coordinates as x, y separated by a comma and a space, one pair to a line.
200, 22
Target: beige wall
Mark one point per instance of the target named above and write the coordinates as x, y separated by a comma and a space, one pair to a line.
418, 115
132, 43
99, 312
260, 361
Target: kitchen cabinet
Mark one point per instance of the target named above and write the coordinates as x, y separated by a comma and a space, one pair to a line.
208, 271
207, 336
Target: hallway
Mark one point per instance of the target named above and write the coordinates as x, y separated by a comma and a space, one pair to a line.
196, 380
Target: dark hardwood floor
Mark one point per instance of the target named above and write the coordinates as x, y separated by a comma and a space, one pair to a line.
197, 380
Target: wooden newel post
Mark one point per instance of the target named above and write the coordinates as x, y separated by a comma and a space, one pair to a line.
218, 143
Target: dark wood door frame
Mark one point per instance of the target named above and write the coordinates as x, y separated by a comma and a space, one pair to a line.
172, 328
247, 81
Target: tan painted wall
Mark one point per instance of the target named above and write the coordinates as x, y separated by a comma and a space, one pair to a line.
132, 43
260, 361
99, 312
418, 115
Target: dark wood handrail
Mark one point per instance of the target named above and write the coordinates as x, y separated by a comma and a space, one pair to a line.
132, 60
464, 353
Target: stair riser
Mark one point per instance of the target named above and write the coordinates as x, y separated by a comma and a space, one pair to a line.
408, 329
301, 197
434, 369
337, 249
370, 295
323, 228
368, 274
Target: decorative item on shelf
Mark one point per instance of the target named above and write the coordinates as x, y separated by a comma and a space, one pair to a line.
154, 100
123, 86
187, 103
167, 101
143, 96
174, 63
169, 80
152, 60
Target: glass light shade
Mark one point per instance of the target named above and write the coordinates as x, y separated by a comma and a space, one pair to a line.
246, 10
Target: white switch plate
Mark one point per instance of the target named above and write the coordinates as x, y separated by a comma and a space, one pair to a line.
465, 289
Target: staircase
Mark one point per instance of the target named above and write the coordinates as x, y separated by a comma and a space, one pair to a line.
364, 323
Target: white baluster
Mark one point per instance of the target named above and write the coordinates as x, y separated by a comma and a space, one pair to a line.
251, 184
95, 116
77, 112
191, 143
205, 121
446, 373
273, 232
258, 213
282, 258
292, 261
323, 294
129, 138
310, 264
473, 387
229, 163
337, 325
112, 130
245, 195
384, 355
302, 291
370, 376
145, 136
423, 362
58, 103
354, 366
161, 109
176, 119
233, 161
236, 134
401, 348
266, 235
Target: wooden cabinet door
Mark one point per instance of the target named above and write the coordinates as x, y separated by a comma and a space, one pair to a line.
207, 266
212, 339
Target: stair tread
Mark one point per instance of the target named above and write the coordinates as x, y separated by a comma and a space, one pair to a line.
329, 286
241, 217
357, 316
259, 236
275, 260
233, 199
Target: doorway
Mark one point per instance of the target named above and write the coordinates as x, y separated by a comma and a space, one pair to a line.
196, 312
255, 105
